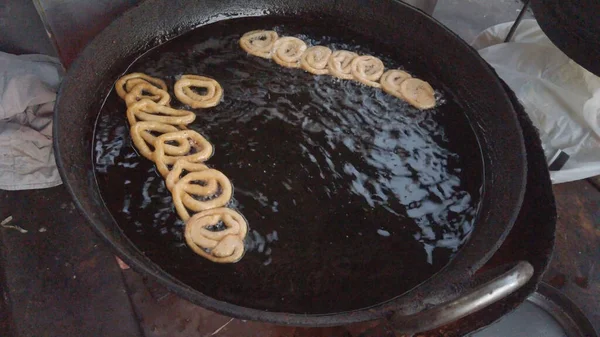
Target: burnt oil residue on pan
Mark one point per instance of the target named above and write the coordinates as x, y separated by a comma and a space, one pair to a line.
347, 191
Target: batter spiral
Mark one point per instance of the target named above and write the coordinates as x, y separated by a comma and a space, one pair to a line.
143, 139
202, 149
340, 64
418, 93
160, 134
147, 110
159, 96
287, 51
391, 80
259, 42
185, 94
319, 60
179, 167
314, 60
200, 191
223, 245
367, 70
126, 83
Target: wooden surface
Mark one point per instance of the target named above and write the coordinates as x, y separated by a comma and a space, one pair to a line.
575, 267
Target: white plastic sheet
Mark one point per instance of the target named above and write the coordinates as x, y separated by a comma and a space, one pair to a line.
28, 85
561, 98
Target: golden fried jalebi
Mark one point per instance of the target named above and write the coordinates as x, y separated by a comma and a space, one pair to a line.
141, 134
133, 82
259, 42
185, 94
201, 190
126, 83
314, 60
159, 96
202, 149
319, 60
418, 93
367, 70
287, 51
340, 64
179, 167
223, 245
160, 134
390, 81
147, 110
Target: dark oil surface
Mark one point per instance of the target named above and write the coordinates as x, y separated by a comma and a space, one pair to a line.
352, 196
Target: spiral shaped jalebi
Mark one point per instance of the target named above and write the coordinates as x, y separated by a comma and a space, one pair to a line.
143, 139
178, 169
314, 60
185, 94
340, 64
160, 134
202, 149
390, 82
147, 110
418, 93
223, 246
259, 42
126, 83
367, 70
201, 190
159, 96
287, 51
320, 60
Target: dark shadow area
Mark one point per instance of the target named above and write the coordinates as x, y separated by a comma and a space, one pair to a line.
22, 30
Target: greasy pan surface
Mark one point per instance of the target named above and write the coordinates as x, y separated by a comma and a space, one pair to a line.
531, 238
455, 65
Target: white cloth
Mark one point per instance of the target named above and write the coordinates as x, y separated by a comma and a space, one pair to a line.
28, 86
561, 98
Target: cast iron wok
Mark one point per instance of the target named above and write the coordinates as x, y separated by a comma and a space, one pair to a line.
448, 295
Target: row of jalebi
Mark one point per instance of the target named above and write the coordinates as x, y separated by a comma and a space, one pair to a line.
319, 60
160, 134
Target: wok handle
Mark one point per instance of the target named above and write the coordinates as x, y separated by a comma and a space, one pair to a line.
473, 301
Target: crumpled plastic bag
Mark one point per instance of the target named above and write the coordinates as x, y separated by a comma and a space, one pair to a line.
561, 98
28, 86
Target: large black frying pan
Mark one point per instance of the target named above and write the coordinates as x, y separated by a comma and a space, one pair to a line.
446, 296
